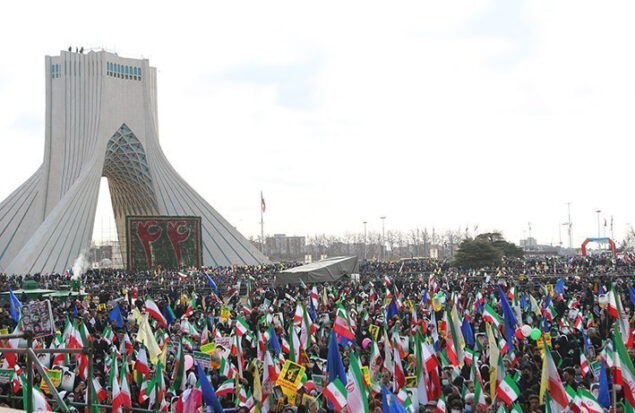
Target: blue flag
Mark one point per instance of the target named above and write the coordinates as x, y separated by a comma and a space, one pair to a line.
209, 395
510, 319
631, 292
75, 312
168, 314
392, 310
604, 398
559, 288
390, 403
334, 364
14, 306
274, 344
115, 315
312, 312
212, 284
468, 334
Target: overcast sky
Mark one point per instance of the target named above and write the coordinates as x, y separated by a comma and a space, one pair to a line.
432, 113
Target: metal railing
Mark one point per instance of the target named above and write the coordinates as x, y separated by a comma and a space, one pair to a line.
31, 360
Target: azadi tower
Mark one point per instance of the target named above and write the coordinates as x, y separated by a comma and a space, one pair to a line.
101, 120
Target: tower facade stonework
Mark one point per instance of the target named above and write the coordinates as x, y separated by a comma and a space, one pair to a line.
101, 120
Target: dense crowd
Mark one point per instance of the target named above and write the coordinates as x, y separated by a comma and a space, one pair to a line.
538, 335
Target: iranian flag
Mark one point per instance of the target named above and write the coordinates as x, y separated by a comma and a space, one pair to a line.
507, 391
342, 326
294, 345
429, 358
617, 311
550, 312
182, 275
227, 387
589, 401
584, 365
624, 371
270, 372
141, 363
479, 394
153, 310
98, 390
125, 387
490, 315
315, 297
440, 405
469, 356
178, 379
399, 378
39, 401
336, 393
355, 387
242, 327
551, 382
454, 337
118, 397
108, 335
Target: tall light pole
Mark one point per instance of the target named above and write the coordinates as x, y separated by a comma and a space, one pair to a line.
569, 224
365, 239
598, 212
383, 237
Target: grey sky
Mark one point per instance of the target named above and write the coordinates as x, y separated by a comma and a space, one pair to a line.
441, 114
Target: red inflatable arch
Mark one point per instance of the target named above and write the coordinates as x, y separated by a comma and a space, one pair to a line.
610, 241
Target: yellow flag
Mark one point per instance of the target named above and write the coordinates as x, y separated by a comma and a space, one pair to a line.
534, 305
544, 379
493, 359
145, 336
137, 315
257, 394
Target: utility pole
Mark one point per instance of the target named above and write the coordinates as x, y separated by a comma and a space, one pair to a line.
598, 212
570, 224
383, 237
365, 238
262, 222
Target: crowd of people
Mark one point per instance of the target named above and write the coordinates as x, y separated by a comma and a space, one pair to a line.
538, 335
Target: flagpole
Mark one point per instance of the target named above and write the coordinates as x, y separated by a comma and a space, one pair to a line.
262, 227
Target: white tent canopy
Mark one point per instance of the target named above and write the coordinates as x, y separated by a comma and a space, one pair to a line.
327, 270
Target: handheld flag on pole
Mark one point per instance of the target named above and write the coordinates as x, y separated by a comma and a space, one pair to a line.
115, 315
212, 284
15, 306
209, 396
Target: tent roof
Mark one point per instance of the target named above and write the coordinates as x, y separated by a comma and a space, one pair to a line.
327, 270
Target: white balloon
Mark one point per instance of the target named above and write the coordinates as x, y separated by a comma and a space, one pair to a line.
526, 330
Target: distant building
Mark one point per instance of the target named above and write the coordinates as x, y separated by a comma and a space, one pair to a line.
283, 247
528, 243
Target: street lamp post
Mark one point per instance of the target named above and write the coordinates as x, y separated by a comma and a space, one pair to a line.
365, 239
598, 212
383, 238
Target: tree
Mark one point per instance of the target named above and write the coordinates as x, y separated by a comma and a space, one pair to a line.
509, 249
486, 249
477, 253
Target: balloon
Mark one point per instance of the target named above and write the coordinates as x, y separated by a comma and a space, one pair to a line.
365, 342
526, 330
309, 385
535, 334
189, 362
519, 333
